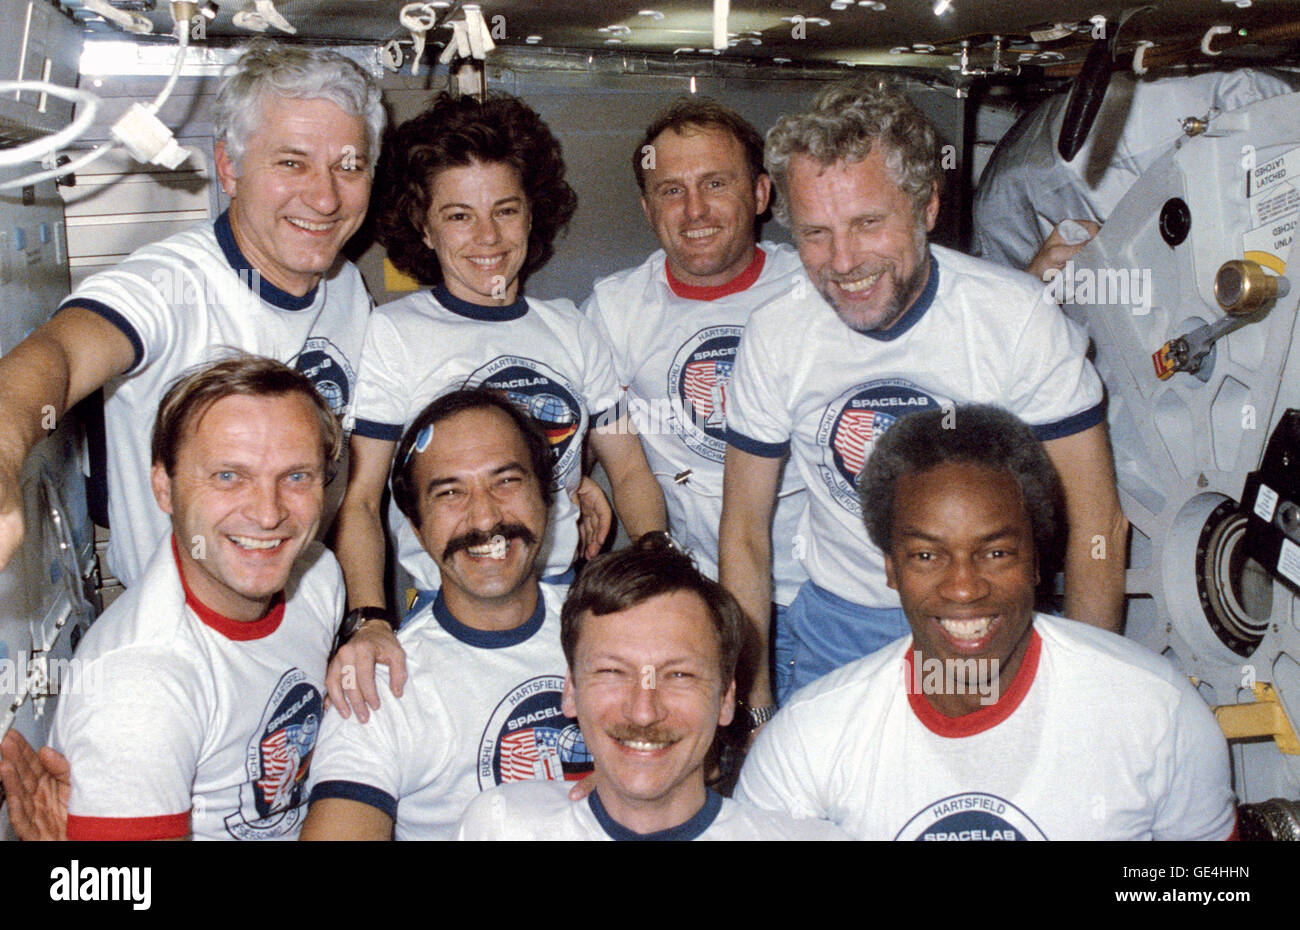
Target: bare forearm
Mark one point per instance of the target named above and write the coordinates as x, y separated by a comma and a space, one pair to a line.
745, 569
337, 819
33, 396
1094, 574
749, 490
638, 498
639, 502
359, 547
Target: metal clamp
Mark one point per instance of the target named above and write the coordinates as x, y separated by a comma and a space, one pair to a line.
1209, 37
1138, 53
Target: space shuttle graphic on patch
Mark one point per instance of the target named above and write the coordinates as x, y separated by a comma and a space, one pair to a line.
705, 385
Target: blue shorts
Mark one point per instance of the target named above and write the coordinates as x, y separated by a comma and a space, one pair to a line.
826, 631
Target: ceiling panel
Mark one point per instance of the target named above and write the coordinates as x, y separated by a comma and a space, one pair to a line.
904, 33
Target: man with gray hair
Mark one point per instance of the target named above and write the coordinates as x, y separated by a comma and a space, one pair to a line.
890, 326
298, 133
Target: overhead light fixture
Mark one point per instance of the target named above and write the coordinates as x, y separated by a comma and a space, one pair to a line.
942, 6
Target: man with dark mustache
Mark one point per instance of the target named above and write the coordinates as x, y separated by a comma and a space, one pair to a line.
482, 704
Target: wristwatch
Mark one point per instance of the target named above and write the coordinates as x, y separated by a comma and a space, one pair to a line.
760, 715
353, 619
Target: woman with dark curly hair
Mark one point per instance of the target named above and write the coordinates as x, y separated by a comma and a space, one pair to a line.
471, 199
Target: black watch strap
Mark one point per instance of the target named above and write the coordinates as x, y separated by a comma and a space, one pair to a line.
353, 619
760, 715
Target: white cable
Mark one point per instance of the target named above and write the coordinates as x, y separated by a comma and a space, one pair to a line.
1138, 67
269, 13
721, 11
480, 37
48, 145
1208, 38
183, 37
418, 19
457, 45
71, 167
131, 22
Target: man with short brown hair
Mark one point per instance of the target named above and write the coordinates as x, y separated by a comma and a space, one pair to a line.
673, 322
651, 646
195, 700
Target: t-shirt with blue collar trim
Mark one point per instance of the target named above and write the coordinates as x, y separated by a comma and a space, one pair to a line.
543, 353
543, 811
807, 385
691, 829
191, 299
480, 708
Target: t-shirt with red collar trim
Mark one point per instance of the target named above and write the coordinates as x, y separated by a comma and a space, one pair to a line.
1095, 738
238, 630
989, 715
177, 720
741, 282
673, 345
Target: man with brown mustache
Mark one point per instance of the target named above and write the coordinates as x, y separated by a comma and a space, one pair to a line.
652, 646
482, 703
